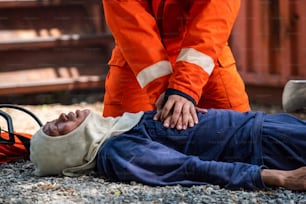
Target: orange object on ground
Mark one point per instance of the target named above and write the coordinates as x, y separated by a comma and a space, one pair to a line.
172, 44
15, 151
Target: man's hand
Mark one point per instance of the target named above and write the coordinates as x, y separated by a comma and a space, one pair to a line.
177, 112
294, 179
201, 110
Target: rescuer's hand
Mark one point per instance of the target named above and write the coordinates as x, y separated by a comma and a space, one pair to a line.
201, 110
177, 112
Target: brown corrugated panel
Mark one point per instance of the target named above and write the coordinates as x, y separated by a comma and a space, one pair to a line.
269, 44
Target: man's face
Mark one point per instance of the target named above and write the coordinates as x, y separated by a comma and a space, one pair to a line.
65, 123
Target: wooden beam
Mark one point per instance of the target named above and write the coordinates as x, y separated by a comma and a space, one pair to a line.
53, 85
39, 3
64, 40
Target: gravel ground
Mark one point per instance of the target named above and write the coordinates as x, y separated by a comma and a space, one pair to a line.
18, 185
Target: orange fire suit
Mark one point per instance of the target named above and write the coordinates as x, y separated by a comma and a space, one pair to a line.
16, 151
173, 46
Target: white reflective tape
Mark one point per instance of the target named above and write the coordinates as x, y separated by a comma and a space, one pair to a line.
193, 56
150, 73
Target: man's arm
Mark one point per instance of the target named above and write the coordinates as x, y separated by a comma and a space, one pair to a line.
209, 26
138, 40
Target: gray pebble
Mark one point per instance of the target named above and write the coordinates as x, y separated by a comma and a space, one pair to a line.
18, 185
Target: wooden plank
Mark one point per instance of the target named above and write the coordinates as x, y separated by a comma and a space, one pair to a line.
50, 79
53, 85
266, 79
238, 38
37, 3
265, 94
281, 54
64, 40
40, 70
251, 35
52, 45
298, 25
261, 37
46, 21
275, 40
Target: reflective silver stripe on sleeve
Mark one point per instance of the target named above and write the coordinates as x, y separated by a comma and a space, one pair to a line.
149, 74
193, 56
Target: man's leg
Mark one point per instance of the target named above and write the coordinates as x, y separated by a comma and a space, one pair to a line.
225, 90
135, 158
284, 142
123, 93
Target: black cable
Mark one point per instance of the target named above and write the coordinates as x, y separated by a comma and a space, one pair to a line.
24, 110
10, 125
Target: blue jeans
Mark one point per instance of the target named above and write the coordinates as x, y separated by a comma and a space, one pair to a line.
226, 148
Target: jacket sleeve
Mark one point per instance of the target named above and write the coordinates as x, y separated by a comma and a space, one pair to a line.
138, 42
209, 26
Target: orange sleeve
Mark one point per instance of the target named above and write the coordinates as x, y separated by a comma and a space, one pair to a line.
138, 40
209, 25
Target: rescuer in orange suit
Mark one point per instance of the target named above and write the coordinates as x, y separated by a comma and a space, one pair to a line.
172, 56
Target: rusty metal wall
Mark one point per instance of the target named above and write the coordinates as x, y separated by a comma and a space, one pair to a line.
269, 42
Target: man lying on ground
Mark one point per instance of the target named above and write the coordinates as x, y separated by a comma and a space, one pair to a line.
250, 150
